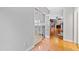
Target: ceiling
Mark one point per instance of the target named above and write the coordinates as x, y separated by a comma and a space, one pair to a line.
55, 11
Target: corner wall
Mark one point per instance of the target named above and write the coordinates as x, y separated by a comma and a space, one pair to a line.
68, 25
16, 28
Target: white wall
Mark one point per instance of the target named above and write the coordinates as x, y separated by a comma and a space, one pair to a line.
75, 25
68, 24
16, 28
78, 26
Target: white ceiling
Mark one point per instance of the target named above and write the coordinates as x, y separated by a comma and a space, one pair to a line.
55, 11
50, 8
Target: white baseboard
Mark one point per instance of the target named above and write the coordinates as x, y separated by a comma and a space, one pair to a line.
30, 48
68, 40
35, 42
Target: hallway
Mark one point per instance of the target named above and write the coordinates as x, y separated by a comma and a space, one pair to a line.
60, 24
39, 29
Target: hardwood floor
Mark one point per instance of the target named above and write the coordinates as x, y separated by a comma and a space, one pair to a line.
55, 44
44, 45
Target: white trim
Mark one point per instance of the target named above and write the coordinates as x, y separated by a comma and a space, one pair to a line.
30, 48
35, 42
71, 41
68, 40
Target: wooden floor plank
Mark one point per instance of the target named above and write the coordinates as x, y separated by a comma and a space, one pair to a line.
55, 44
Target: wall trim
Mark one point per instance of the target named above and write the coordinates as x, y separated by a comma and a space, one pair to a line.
69, 40
32, 46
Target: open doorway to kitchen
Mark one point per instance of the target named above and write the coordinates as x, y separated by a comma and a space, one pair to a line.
56, 33
56, 27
